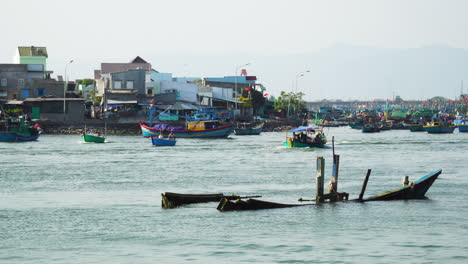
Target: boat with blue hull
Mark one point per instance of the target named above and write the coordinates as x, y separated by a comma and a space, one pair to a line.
16, 130
462, 125
248, 129
439, 128
156, 141
195, 129
416, 190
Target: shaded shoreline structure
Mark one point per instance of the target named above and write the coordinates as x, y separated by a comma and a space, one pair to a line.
410, 190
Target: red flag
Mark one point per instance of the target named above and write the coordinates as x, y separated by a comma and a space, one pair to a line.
266, 95
248, 88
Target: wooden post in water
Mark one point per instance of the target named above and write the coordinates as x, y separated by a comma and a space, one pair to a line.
319, 179
333, 185
364, 185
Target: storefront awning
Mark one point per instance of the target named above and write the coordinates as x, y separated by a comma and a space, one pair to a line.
111, 102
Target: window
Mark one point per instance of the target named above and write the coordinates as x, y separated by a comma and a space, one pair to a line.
3, 82
40, 91
117, 85
129, 84
20, 83
25, 93
150, 91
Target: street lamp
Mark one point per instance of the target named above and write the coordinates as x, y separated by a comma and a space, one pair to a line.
295, 89
235, 82
65, 89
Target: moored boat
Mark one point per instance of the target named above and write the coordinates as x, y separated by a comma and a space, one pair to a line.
17, 130
439, 128
414, 127
462, 125
248, 129
194, 129
371, 128
416, 190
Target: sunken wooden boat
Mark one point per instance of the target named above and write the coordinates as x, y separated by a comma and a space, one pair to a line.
172, 200
251, 204
416, 190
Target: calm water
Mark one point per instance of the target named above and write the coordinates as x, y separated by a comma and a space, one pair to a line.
62, 201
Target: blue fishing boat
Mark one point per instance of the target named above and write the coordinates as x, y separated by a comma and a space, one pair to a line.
248, 129
439, 128
306, 137
16, 129
163, 141
195, 129
462, 124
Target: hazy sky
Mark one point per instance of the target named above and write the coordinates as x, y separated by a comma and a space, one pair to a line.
175, 35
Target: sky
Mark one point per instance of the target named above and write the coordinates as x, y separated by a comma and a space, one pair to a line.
208, 38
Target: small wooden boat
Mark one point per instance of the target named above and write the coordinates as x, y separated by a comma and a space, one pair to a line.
92, 138
370, 128
416, 190
439, 128
251, 204
248, 129
172, 200
163, 141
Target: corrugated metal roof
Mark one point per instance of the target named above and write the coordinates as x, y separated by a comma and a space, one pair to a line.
33, 51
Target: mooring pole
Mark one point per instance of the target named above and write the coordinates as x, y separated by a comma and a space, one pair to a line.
319, 179
364, 185
335, 169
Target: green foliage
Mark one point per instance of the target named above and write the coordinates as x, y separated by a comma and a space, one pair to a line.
13, 112
253, 99
290, 101
95, 98
86, 82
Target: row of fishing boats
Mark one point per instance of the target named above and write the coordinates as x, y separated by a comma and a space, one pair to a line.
434, 127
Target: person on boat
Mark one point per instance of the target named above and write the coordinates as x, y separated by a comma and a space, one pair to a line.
171, 136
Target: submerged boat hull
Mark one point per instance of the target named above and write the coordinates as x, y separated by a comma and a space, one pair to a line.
92, 139
416, 191
219, 132
172, 200
251, 204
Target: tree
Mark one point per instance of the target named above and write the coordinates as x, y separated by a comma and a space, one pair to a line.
290, 103
252, 98
86, 82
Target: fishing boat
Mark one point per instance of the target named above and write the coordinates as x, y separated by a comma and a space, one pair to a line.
248, 129
413, 127
416, 190
307, 136
172, 200
93, 138
371, 127
251, 204
194, 129
462, 124
157, 141
17, 130
439, 128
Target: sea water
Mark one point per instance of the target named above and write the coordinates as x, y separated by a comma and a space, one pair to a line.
63, 201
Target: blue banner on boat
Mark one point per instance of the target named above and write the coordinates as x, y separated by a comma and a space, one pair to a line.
304, 128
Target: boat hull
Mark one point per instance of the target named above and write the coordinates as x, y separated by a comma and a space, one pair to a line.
416, 191
438, 129
248, 131
26, 138
92, 139
226, 205
162, 142
7, 137
172, 200
290, 144
463, 128
220, 132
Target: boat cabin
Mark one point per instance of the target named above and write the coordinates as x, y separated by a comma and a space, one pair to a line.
202, 125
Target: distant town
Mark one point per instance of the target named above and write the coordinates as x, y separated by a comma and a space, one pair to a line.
122, 92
